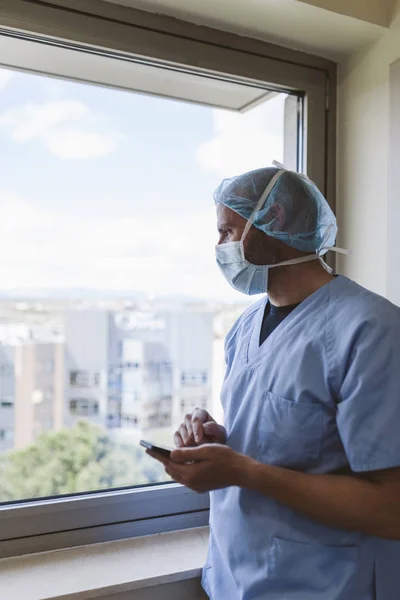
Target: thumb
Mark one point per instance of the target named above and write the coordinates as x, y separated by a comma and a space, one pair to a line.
213, 430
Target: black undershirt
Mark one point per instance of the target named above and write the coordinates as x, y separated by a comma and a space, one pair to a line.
273, 316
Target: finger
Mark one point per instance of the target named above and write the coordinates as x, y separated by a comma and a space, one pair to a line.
199, 417
202, 415
188, 455
160, 457
187, 475
167, 470
175, 472
178, 441
188, 424
215, 431
183, 432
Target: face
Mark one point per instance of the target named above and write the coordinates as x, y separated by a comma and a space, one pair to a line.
230, 225
259, 248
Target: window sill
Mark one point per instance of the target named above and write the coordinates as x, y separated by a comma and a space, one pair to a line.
103, 569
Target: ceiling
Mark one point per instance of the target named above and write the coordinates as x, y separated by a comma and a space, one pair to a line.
301, 24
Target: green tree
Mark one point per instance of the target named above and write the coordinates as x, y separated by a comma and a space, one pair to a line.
84, 458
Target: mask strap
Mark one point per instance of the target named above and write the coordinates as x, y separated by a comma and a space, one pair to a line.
281, 166
304, 259
261, 201
296, 261
333, 249
327, 268
330, 249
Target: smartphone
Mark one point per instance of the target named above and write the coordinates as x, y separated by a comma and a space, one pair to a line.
158, 449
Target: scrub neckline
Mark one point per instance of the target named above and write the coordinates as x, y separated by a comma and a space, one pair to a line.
253, 349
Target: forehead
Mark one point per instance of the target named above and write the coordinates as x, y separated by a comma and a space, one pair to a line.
227, 216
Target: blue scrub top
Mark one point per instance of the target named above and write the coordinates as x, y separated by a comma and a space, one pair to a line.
322, 393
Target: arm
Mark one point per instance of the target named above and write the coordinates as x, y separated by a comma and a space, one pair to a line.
368, 503
368, 412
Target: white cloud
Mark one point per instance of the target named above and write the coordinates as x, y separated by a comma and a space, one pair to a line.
40, 250
73, 144
66, 128
5, 78
245, 141
16, 214
37, 120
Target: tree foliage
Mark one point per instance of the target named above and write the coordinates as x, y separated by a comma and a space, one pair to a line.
84, 458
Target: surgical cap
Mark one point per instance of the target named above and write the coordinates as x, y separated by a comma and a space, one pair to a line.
294, 211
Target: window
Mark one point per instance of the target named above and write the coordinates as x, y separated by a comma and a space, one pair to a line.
125, 293
84, 407
84, 379
131, 366
194, 377
7, 403
6, 434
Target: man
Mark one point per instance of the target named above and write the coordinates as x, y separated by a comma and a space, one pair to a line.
305, 475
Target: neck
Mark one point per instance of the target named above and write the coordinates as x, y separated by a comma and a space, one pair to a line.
293, 284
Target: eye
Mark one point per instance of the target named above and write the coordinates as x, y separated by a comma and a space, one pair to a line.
223, 233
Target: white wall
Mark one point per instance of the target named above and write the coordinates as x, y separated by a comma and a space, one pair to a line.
393, 258
374, 11
363, 160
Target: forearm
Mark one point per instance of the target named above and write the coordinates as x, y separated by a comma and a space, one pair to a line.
341, 501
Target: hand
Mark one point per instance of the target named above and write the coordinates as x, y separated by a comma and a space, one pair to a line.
199, 428
208, 467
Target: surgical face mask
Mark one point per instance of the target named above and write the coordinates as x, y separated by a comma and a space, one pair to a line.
242, 275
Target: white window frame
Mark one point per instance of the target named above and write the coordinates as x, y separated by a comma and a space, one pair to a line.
131, 35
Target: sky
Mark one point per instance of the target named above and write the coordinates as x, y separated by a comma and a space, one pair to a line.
108, 190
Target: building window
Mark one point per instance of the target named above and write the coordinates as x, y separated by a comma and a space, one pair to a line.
7, 403
84, 379
194, 378
6, 435
83, 407
79, 378
131, 366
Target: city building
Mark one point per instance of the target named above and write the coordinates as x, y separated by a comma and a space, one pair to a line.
93, 375
189, 337
167, 366
131, 371
146, 385
7, 397
39, 393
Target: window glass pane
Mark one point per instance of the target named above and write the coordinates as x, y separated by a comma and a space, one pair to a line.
113, 311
